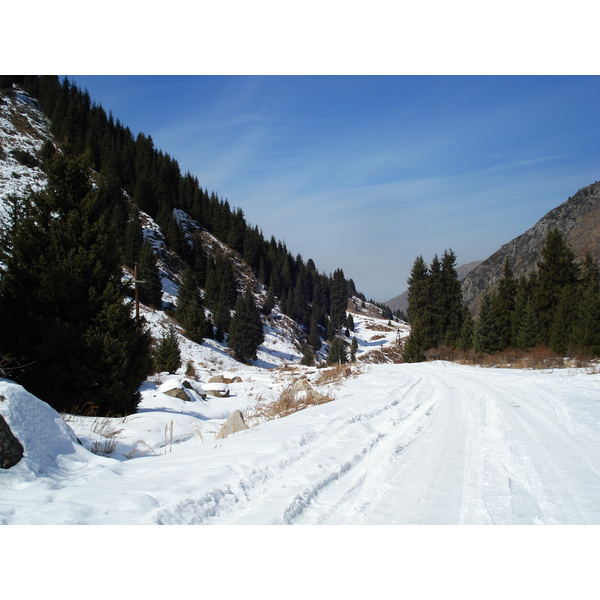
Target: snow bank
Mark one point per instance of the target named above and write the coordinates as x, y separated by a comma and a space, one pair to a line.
49, 443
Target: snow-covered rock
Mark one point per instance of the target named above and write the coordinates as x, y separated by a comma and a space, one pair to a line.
48, 442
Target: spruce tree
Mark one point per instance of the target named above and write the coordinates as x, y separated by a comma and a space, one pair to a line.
269, 304
586, 325
314, 336
504, 304
556, 269
527, 331
190, 309
465, 341
451, 301
486, 334
132, 241
418, 302
337, 352
433, 317
151, 290
167, 355
414, 347
562, 334
246, 331
339, 300
64, 322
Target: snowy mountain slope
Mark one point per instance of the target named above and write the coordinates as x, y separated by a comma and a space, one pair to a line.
23, 131
413, 444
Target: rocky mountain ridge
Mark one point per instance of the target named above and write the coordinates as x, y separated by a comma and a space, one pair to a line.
578, 219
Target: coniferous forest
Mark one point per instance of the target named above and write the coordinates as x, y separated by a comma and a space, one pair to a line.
93, 144
62, 276
556, 307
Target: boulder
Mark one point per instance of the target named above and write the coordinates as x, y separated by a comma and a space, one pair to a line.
11, 450
178, 393
223, 379
234, 423
301, 390
217, 390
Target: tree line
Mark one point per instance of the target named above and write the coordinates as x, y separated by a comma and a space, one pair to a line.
156, 185
556, 306
66, 332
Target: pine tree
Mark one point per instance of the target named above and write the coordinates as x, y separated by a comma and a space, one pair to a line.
504, 305
556, 269
451, 301
190, 309
151, 290
167, 355
339, 300
465, 341
62, 314
337, 352
527, 332
246, 331
486, 334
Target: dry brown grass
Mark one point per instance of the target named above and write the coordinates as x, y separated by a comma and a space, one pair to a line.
540, 357
294, 397
338, 373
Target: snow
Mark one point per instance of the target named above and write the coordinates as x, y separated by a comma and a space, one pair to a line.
22, 128
433, 443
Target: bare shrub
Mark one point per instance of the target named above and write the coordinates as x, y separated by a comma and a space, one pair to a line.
337, 373
104, 447
294, 397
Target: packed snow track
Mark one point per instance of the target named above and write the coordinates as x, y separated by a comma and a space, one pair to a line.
430, 443
423, 445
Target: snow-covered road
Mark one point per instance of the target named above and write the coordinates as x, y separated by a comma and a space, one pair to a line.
438, 444
432, 443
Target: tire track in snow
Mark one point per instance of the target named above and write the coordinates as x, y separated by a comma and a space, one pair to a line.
321, 458
362, 486
454, 446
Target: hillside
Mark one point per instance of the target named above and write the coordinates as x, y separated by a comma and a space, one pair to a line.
24, 130
578, 219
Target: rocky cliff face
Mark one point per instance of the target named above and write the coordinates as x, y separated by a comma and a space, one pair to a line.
578, 219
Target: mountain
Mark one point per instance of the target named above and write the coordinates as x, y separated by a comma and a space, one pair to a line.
184, 224
578, 219
401, 302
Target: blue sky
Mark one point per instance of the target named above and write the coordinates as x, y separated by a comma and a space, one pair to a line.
367, 172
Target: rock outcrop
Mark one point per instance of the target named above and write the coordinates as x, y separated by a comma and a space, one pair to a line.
578, 219
11, 450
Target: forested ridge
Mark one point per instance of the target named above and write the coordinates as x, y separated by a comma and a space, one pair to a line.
132, 177
156, 185
556, 308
